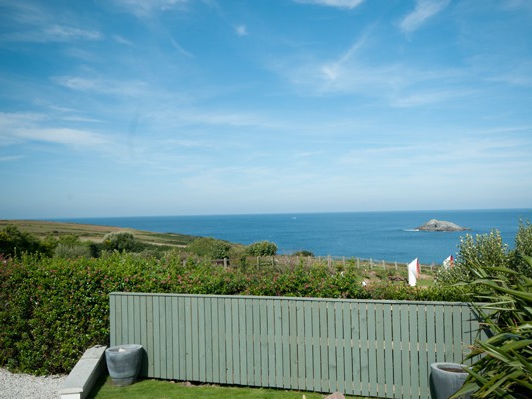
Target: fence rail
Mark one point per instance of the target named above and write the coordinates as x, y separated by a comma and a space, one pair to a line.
359, 347
330, 261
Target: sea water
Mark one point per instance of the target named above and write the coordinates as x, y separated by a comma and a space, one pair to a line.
390, 236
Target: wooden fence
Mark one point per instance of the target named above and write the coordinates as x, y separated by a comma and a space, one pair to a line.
359, 347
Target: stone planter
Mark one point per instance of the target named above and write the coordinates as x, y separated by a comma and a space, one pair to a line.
123, 363
446, 379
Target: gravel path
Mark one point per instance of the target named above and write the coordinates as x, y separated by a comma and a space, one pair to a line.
25, 386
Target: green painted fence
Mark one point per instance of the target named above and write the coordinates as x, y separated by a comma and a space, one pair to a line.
369, 348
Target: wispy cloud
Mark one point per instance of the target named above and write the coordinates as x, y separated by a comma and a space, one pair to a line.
143, 8
122, 40
349, 4
24, 127
180, 48
11, 158
241, 30
424, 10
53, 33
102, 86
74, 137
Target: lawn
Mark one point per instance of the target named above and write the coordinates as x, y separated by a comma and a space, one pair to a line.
158, 389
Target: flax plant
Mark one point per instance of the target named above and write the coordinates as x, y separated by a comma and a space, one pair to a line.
503, 361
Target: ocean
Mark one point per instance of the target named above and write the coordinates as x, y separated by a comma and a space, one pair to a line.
389, 236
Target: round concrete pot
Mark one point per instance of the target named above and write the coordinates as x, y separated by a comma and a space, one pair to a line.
123, 363
446, 379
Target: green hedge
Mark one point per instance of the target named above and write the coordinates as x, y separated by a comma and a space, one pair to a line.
53, 309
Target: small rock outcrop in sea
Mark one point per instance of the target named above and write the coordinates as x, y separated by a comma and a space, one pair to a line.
440, 225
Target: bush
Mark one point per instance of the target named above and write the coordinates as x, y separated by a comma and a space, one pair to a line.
210, 248
262, 248
503, 360
121, 242
13, 242
304, 253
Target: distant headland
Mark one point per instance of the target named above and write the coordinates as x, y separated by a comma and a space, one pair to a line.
440, 225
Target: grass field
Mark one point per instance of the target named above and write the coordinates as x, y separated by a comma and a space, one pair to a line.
157, 389
89, 232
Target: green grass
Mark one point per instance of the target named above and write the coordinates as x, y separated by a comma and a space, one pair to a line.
157, 389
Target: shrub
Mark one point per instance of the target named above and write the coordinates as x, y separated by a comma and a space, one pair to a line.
13, 241
503, 360
262, 248
121, 241
304, 253
210, 248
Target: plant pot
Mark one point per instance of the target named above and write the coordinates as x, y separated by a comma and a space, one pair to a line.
446, 379
123, 363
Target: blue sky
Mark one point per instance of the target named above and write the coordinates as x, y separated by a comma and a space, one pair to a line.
177, 107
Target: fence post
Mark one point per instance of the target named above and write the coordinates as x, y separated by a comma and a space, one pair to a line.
395, 265
358, 263
371, 263
329, 261
383, 265
225, 263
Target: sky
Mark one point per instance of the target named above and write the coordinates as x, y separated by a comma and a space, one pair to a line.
199, 107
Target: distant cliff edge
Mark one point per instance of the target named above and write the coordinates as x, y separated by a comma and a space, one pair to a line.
440, 225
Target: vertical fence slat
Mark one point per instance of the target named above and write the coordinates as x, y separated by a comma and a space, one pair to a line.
235, 336
355, 351
161, 339
380, 351
169, 338
364, 360
242, 337
405, 349
397, 354
182, 334
256, 342
348, 349
331, 334
202, 370
424, 365
278, 343
439, 333
209, 333
316, 346
149, 336
414, 351
221, 341
292, 337
309, 344
216, 370
340, 346
286, 343
388, 351
130, 330
114, 319
228, 342
249, 342
373, 360
175, 338
458, 332
448, 341
323, 348
431, 334
264, 343
156, 335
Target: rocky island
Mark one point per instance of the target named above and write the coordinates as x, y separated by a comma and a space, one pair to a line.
440, 225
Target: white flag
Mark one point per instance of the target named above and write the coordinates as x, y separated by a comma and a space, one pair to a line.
448, 263
413, 272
